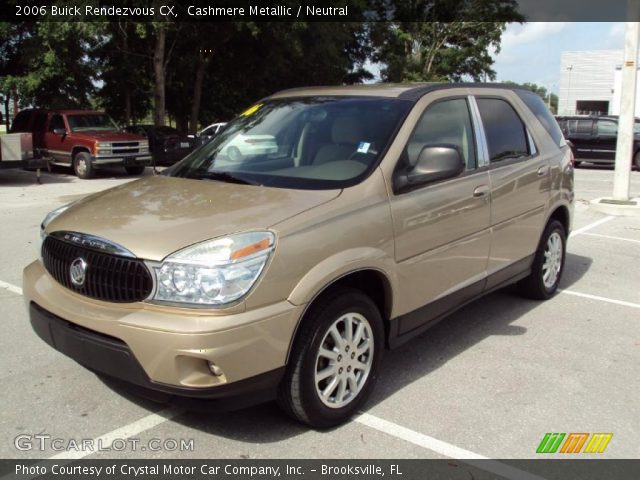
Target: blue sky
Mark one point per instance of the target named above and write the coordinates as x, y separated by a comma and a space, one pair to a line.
531, 52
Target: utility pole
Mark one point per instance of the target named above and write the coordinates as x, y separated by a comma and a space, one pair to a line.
570, 68
624, 147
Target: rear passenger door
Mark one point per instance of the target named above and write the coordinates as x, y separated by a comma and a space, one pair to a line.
520, 188
582, 137
441, 229
606, 139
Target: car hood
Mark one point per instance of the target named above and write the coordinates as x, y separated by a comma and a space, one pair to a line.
156, 216
108, 136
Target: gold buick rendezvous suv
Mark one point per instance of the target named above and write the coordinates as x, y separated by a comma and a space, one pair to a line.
320, 227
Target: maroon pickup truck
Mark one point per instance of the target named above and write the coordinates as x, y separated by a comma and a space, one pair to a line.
82, 139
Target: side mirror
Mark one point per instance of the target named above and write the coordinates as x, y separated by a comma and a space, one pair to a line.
59, 131
435, 162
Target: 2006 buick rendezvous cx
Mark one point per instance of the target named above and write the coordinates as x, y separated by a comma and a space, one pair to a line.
285, 272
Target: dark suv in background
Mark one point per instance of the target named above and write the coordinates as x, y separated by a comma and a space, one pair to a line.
594, 138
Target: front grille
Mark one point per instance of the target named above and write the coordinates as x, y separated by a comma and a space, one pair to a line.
119, 148
108, 277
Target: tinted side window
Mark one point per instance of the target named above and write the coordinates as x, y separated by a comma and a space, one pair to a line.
506, 134
56, 122
607, 127
21, 122
583, 127
542, 113
446, 122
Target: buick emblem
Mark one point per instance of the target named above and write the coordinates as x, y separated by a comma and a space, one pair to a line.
78, 271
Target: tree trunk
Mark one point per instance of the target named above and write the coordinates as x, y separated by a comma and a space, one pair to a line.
127, 91
160, 77
6, 111
197, 93
16, 106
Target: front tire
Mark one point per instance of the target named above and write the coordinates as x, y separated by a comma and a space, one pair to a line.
548, 264
83, 166
636, 161
334, 361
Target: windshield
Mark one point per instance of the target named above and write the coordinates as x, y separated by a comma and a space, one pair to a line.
85, 122
310, 142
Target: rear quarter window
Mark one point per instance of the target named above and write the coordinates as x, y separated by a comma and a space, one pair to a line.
542, 113
505, 132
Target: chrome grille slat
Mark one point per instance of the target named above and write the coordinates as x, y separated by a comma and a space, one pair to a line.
109, 277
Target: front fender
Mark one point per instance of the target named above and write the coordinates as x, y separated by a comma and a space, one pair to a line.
337, 266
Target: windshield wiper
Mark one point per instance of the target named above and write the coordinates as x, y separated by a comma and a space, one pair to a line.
222, 176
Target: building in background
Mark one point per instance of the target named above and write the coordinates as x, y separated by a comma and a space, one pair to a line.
590, 83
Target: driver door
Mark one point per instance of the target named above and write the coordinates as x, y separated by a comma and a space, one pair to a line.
57, 144
442, 229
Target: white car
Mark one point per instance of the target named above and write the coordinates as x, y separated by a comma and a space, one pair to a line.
207, 133
246, 145
211, 130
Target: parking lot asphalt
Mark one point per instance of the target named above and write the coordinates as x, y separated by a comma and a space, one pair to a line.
489, 381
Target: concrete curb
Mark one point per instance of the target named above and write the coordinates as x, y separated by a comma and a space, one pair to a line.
615, 209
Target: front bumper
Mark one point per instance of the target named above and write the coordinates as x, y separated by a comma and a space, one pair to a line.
112, 357
164, 349
127, 159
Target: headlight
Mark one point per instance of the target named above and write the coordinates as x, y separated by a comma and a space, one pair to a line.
104, 151
50, 217
215, 272
104, 145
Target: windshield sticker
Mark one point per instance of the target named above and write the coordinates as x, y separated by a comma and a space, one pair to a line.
363, 147
251, 110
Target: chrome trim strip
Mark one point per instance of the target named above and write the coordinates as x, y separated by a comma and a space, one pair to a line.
122, 155
532, 144
59, 152
478, 130
92, 242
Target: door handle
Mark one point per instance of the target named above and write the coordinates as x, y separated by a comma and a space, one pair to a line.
542, 171
480, 191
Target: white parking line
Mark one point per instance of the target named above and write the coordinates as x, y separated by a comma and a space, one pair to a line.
10, 288
592, 225
443, 448
601, 299
610, 237
128, 431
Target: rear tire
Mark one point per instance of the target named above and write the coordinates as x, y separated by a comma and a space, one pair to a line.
332, 372
135, 169
636, 161
83, 166
548, 264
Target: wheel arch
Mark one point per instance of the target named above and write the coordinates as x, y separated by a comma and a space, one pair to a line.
371, 281
78, 149
561, 214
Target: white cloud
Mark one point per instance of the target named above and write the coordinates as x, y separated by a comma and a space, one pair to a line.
517, 34
615, 39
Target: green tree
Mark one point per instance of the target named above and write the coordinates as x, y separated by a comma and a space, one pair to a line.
550, 98
124, 73
256, 62
445, 40
49, 64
